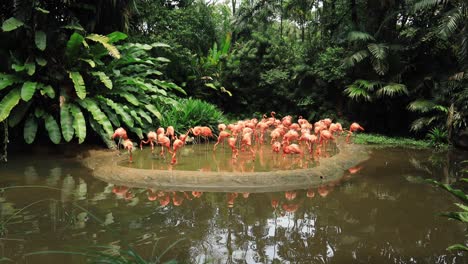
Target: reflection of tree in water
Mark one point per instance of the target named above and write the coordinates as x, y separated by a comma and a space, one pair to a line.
377, 216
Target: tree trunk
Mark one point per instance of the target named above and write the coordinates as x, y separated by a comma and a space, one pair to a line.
354, 17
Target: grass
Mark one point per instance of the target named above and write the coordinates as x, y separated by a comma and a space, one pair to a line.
375, 139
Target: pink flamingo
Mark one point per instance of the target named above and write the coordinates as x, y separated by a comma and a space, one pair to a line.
176, 146
152, 138
170, 132
354, 127
222, 135
128, 144
232, 144
121, 134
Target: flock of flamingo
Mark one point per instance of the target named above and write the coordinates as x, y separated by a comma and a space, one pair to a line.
284, 135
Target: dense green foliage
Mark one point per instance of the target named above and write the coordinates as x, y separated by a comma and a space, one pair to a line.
83, 81
396, 67
188, 113
372, 61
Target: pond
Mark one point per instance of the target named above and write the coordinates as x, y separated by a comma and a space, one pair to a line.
381, 211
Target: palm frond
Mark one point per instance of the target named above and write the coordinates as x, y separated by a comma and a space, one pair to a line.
379, 51
361, 89
425, 4
380, 66
450, 22
457, 76
392, 89
359, 36
356, 58
422, 122
421, 106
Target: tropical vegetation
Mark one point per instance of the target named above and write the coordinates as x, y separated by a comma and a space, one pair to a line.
72, 70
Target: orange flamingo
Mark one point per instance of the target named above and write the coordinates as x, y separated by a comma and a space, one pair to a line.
176, 146
292, 149
222, 135
206, 132
276, 147
121, 134
128, 144
170, 132
247, 141
354, 127
165, 142
232, 144
152, 138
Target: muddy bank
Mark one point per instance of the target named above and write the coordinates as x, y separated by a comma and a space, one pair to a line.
104, 165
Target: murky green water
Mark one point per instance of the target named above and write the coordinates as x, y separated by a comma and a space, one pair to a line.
383, 213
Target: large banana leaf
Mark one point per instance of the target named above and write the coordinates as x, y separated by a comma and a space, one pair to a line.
79, 84
145, 116
116, 36
11, 24
137, 131
52, 128
111, 114
73, 46
48, 90
79, 123
135, 116
28, 90
129, 97
17, 114
154, 111
30, 129
107, 140
8, 102
103, 78
119, 110
66, 122
40, 39
7, 80
113, 51
98, 115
